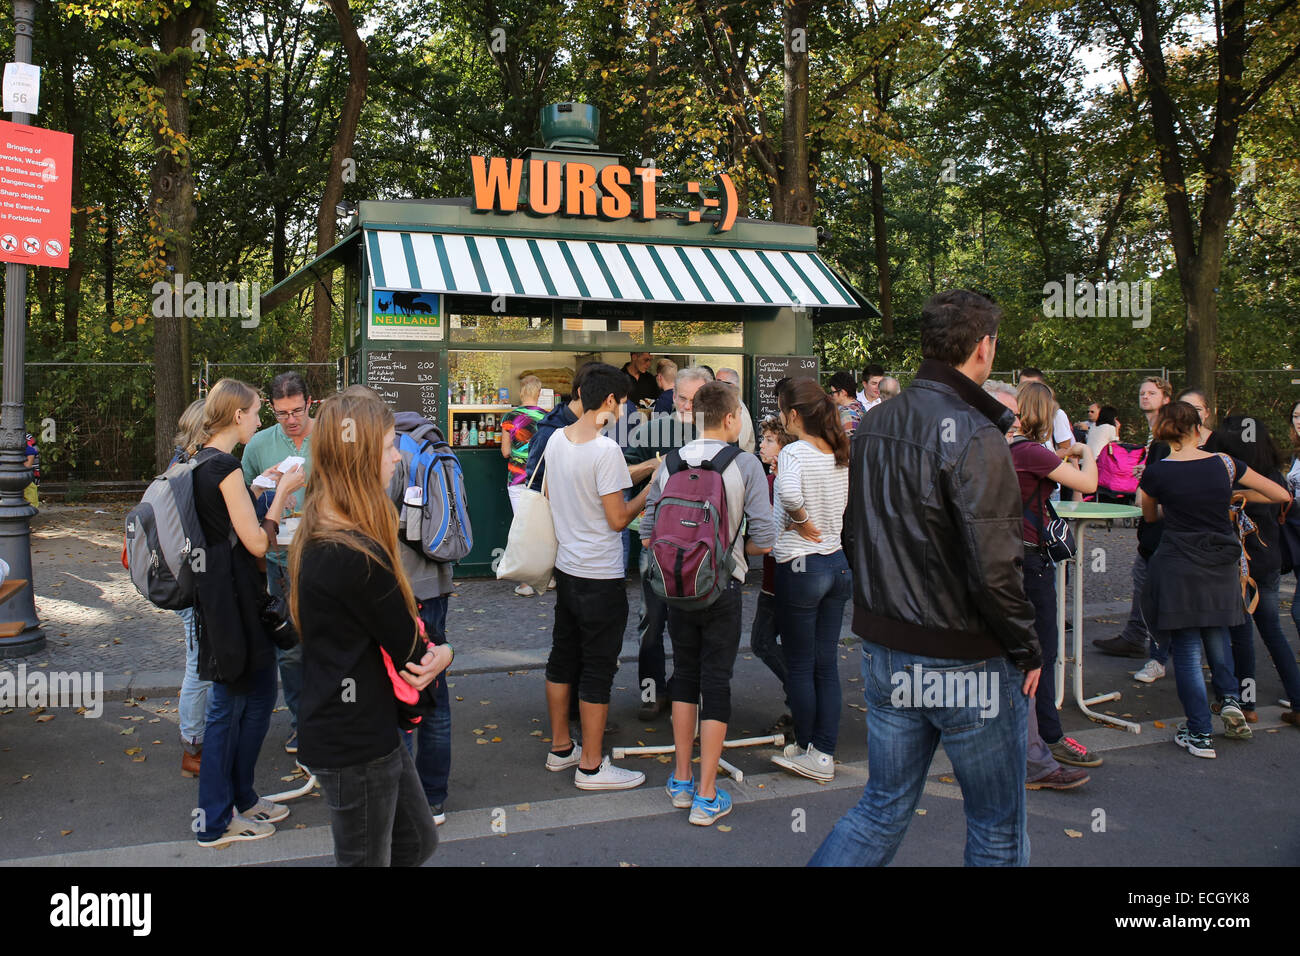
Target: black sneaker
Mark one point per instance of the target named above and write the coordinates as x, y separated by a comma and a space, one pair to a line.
1118, 647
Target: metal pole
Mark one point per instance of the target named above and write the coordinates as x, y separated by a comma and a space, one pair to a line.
15, 512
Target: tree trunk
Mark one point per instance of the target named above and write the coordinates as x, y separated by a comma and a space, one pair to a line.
171, 202
881, 238
320, 379
795, 187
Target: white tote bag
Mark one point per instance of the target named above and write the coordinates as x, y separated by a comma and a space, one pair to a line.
530, 550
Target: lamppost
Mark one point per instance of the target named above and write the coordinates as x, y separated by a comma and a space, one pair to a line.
15, 512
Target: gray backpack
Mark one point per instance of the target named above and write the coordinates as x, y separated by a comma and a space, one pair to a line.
164, 545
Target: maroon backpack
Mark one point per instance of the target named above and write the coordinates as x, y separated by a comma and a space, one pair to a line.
691, 559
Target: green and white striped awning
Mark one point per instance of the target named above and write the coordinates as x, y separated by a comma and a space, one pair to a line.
601, 271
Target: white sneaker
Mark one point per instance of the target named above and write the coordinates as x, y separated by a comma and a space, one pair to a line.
525, 590
556, 762
551, 586
240, 829
812, 764
1150, 672
609, 778
264, 811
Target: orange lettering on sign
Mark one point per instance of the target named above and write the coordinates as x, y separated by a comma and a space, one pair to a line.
579, 189
648, 176
616, 203
545, 190
496, 183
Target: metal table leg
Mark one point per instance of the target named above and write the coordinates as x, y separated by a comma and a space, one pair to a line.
1086, 702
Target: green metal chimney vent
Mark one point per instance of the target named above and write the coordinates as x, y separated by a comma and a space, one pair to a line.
570, 126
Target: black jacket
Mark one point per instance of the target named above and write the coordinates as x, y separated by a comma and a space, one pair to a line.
933, 525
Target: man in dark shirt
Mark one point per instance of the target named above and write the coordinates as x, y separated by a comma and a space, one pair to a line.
644, 388
645, 445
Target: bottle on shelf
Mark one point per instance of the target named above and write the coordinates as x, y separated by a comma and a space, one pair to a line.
462, 392
464, 432
473, 432
482, 431
491, 430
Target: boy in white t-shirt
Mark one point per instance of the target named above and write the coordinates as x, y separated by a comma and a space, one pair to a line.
586, 476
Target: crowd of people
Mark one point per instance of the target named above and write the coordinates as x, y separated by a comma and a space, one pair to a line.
929, 508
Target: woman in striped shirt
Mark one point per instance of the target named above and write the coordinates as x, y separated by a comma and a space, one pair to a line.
813, 581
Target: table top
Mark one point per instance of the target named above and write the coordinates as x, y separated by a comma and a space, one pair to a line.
1094, 511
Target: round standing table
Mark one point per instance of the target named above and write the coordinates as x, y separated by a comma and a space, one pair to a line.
1081, 514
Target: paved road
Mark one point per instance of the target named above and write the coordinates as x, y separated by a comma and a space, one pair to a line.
72, 793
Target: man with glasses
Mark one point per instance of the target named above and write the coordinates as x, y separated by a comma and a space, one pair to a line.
291, 404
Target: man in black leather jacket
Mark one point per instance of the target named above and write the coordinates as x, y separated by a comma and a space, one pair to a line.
933, 534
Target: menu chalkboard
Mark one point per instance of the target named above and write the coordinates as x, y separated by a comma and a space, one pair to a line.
770, 369
407, 381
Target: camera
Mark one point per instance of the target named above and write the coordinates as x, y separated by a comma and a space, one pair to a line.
275, 618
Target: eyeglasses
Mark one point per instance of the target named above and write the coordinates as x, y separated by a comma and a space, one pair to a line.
294, 413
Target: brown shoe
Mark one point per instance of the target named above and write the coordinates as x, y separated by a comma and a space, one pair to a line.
1291, 717
190, 763
1065, 778
1251, 716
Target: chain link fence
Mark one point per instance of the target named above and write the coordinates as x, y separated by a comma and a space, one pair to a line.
94, 421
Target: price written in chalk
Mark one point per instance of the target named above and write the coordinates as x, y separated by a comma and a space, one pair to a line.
770, 369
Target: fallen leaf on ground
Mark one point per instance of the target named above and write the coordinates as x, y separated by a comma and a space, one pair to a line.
287, 779
27, 776
64, 832
155, 720
490, 726
523, 806
43, 719
133, 751
485, 702
479, 740
624, 863
724, 828
496, 740
920, 813
1158, 723
38, 710
477, 730
300, 826
946, 779
534, 733
155, 741
1073, 834
127, 730
664, 758
460, 698
139, 759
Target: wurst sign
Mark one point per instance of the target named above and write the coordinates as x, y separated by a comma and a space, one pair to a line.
580, 190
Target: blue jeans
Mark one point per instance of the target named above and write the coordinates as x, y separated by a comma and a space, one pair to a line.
377, 813
193, 703
763, 639
1040, 588
290, 661
1270, 632
987, 753
1295, 609
433, 733
1186, 647
1135, 631
236, 727
811, 592
652, 662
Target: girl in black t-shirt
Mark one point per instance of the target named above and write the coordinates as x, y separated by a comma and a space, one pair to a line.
356, 612
1193, 588
235, 650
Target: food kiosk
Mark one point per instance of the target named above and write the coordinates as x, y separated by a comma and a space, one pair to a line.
566, 255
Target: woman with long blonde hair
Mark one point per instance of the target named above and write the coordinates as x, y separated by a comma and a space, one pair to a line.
352, 603
236, 649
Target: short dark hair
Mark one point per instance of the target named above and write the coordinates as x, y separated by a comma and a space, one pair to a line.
600, 381
1177, 420
713, 402
1106, 415
1030, 372
709, 369
872, 370
843, 381
287, 385
953, 322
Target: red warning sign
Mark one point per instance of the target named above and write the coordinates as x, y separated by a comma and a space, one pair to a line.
35, 195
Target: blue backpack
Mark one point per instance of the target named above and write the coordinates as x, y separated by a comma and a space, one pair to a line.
440, 528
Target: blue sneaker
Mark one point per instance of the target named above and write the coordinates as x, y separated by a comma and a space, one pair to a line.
682, 791
704, 812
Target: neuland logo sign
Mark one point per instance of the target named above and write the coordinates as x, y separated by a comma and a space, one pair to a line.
580, 190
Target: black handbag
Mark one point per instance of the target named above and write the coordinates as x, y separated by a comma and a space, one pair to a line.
1056, 539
